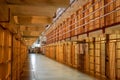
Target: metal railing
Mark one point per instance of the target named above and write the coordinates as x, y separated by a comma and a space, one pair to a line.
54, 36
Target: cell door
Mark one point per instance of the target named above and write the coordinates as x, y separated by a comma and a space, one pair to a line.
102, 58
73, 55
64, 53
92, 57
118, 59
55, 52
86, 58
69, 53
110, 57
111, 74
1, 46
61, 54
97, 57
81, 57
2, 53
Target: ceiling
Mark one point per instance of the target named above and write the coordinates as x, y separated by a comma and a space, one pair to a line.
30, 15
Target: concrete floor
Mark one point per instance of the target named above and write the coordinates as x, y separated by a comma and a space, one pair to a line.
39, 67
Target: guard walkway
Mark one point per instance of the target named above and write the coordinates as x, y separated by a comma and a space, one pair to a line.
39, 67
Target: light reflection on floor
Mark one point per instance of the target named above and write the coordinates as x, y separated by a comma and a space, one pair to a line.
33, 61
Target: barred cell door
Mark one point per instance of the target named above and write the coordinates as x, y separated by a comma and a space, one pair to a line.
70, 54
73, 55
61, 54
96, 53
118, 59
91, 51
113, 58
64, 53
97, 56
107, 72
102, 58
69, 49
2, 67
81, 57
55, 52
